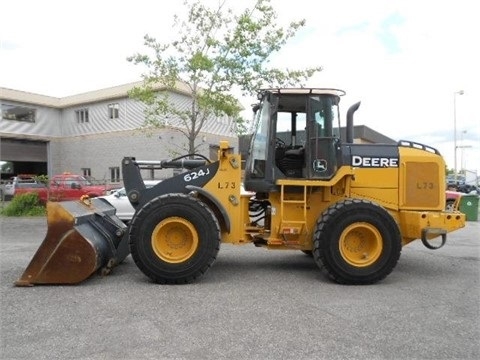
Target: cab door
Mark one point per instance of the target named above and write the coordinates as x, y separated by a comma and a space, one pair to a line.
323, 142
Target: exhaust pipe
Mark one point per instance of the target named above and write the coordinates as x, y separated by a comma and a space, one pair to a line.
349, 129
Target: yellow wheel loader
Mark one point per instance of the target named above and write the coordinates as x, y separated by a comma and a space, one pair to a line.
306, 186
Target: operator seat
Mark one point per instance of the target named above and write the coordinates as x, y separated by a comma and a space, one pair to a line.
292, 162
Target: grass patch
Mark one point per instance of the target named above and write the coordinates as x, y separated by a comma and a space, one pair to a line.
24, 205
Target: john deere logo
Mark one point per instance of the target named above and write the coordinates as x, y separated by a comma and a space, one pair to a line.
374, 162
320, 165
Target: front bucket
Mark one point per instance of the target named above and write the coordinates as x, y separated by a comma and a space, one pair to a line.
82, 237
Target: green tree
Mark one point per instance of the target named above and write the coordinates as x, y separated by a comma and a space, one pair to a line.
216, 51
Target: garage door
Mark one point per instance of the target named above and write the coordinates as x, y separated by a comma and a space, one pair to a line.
23, 150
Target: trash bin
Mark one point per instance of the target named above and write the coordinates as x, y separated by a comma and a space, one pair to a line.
469, 206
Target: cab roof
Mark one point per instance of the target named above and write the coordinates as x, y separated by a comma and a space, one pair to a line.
305, 91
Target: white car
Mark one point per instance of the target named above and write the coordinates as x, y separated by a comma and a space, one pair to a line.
119, 200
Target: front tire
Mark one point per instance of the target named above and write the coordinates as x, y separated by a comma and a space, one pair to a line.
356, 242
174, 239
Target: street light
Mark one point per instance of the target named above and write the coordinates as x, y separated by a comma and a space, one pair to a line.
459, 92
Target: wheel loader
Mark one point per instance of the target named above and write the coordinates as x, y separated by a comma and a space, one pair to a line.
305, 186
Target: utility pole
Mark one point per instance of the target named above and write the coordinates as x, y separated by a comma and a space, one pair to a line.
459, 92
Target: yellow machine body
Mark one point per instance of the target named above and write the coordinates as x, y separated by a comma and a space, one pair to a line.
412, 193
351, 206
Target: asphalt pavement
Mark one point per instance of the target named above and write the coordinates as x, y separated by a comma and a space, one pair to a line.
252, 304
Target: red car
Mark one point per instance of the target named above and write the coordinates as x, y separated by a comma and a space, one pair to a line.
66, 187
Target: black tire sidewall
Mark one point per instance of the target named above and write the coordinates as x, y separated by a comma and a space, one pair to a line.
336, 220
163, 207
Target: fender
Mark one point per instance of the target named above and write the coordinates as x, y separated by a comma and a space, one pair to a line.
219, 206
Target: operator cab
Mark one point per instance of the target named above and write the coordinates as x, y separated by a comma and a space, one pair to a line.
296, 137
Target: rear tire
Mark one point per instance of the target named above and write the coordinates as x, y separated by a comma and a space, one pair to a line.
174, 239
356, 242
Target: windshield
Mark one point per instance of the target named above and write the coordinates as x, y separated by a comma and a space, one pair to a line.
121, 192
258, 150
84, 181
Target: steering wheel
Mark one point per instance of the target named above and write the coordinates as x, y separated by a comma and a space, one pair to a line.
279, 143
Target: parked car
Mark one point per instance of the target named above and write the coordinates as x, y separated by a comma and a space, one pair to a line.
20, 181
64, 187
468, 189
119, 200
458, 181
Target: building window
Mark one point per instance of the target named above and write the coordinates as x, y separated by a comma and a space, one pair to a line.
81, 116
113, 111
18, 113
115, 174
87, 172
177, 171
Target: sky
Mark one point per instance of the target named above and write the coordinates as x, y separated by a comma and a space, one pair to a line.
406, 61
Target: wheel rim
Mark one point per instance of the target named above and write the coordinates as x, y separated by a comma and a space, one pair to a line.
174, 240
361, 244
